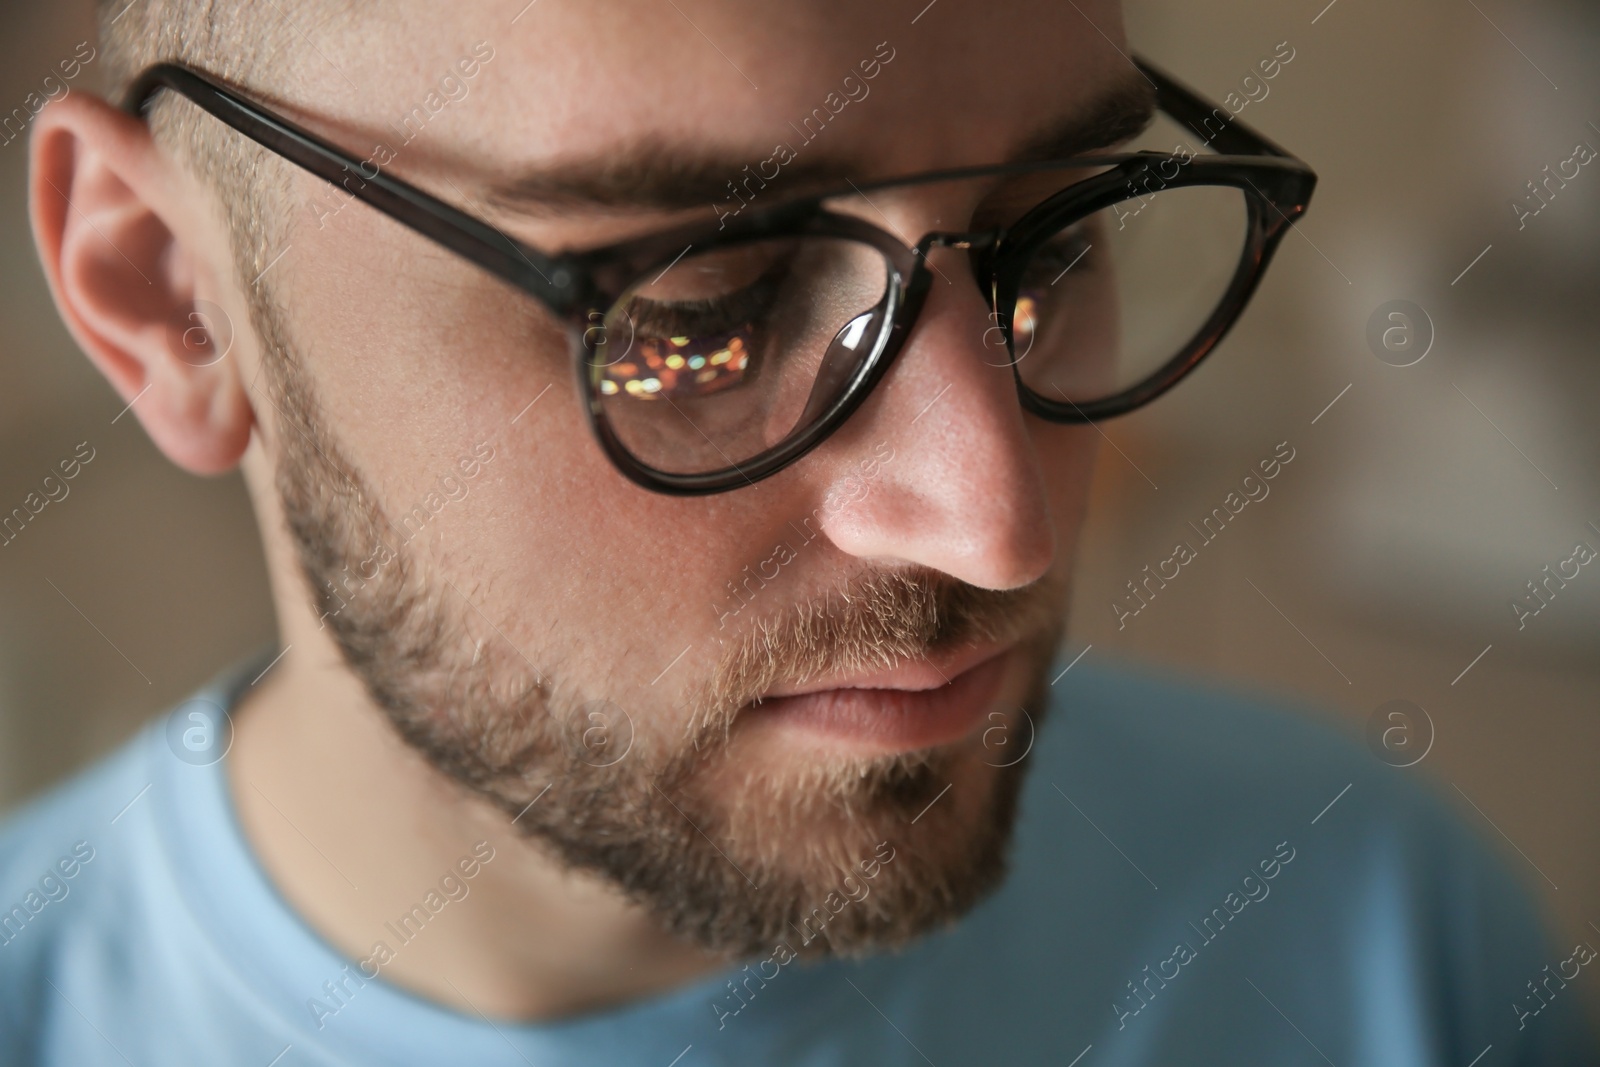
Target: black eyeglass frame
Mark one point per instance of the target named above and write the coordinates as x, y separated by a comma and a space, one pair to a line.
573, 285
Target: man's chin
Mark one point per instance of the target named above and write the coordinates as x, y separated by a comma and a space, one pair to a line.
849, 855
736, 840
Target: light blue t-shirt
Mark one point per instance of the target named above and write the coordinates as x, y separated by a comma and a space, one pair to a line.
1197, 879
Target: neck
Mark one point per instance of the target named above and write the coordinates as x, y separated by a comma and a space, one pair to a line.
357, 831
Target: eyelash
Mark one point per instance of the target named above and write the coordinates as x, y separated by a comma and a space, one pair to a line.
699, 318
1069, 248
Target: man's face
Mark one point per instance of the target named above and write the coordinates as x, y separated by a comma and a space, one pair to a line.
553, 635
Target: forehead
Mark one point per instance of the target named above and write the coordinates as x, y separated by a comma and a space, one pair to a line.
954, 82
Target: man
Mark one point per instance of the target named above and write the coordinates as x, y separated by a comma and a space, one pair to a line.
677, 711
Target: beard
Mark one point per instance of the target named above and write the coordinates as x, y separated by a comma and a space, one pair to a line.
724, 848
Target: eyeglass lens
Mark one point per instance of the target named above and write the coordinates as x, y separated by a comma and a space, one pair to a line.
724, 354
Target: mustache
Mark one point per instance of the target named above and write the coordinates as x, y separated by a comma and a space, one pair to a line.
873, 621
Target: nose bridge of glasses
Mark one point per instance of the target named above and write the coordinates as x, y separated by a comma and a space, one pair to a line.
978, 245
865, 334
965, 241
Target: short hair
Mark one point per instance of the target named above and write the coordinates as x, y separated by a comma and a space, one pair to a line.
249, 44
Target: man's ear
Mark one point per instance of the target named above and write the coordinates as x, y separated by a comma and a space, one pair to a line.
135, 265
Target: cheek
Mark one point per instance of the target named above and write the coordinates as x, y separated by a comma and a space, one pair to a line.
595, 580
615, 591
436, 364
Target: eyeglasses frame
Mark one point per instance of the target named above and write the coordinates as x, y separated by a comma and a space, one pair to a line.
1276, 186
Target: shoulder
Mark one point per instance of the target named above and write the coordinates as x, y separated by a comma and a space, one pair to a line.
1189, 823
73, 815
1186, 759
65, 858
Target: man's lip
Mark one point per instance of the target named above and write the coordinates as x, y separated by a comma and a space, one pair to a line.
913, 675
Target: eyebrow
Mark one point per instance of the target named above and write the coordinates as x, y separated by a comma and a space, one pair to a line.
652, 175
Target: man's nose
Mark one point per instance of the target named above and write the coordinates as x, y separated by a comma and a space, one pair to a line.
962, 491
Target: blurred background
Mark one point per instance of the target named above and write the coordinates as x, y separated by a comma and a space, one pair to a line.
1383, 566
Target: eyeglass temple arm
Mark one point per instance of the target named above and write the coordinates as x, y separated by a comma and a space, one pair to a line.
541, 275
1214, 125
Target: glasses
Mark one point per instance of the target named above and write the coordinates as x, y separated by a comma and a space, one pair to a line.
711, 356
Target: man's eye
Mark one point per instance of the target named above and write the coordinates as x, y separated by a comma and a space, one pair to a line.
1070, 252
661, 318
692, 348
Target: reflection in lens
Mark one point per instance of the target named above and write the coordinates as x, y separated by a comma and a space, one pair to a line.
736, 348
680, 366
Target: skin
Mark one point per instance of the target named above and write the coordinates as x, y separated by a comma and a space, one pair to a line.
587, 575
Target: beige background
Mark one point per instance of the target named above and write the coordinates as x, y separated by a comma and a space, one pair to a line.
1383, 562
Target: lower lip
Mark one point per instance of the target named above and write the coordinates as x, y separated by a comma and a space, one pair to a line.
892, 720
